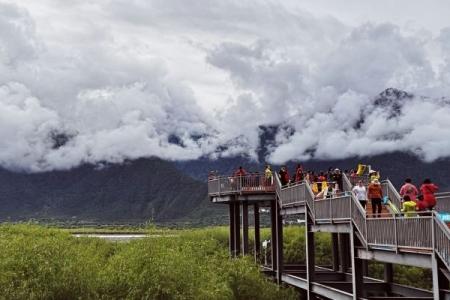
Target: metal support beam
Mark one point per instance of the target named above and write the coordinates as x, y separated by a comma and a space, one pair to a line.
365, 268
279, 243
440, 281
409, 259
245, 228
237, 228
232, 227
310, 257
257, 232
273, 238
344, 251
335, 251
388, 273
335, 228
357, 270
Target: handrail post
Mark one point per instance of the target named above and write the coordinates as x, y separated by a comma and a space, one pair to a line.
240, 184
433, 233
331, 210
367, 232
395, 234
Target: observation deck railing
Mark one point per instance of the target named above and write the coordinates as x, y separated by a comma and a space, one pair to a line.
443, 202
226, 185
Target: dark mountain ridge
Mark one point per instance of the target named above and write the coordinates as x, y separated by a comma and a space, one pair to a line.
138, 190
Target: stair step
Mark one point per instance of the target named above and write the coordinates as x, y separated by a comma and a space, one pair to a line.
384, 209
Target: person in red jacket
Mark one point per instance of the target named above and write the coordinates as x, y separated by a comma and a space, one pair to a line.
240, 172
429, 199
299, 173
284, 176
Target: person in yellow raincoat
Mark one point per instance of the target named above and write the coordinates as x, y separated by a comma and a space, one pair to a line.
409, 207
268, 174
374, 175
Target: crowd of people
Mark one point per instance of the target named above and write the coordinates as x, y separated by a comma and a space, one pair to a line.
326, 184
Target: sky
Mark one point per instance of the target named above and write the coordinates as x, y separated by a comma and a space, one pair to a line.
106, 81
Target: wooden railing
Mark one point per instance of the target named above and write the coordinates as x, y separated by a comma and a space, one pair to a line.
333, 209
223, 185
346, 183
291, 195
358, 217
390, 191
443, 202
441, 240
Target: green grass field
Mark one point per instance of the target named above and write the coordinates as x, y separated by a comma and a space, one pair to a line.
39, 262
44, 263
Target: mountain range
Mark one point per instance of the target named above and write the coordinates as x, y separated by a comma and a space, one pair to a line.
163, 191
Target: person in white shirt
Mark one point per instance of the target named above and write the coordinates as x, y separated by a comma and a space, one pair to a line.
360, 193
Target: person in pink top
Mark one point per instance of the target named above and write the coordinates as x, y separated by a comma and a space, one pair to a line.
428, 189
409, 189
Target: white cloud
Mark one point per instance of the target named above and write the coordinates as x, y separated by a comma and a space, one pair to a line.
114, 80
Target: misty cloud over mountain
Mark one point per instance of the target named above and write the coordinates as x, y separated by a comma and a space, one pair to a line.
111, 81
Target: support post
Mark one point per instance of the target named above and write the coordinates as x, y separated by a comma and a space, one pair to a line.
335, 251
388, 273
279, 243
237, 228
310, 256
343, 251
245, 228
365, 267
440, 281
232, 227
357, 269
257, 233
273, 238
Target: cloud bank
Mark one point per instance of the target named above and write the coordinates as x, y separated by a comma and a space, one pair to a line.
110, 81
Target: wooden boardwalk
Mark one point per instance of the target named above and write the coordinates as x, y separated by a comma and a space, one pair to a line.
357, 237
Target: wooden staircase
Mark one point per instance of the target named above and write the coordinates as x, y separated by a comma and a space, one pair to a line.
384, 210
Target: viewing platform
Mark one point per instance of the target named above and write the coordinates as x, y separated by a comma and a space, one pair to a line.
357, 237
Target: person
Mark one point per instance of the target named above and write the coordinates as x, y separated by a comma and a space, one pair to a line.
409, 189
429, 199
360, 193
409, 207
308, 177
330, 192
284, 176
211, 175
337, 177
375, 194
240, 172
320, 180
299, 173
374, 175
268, 174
